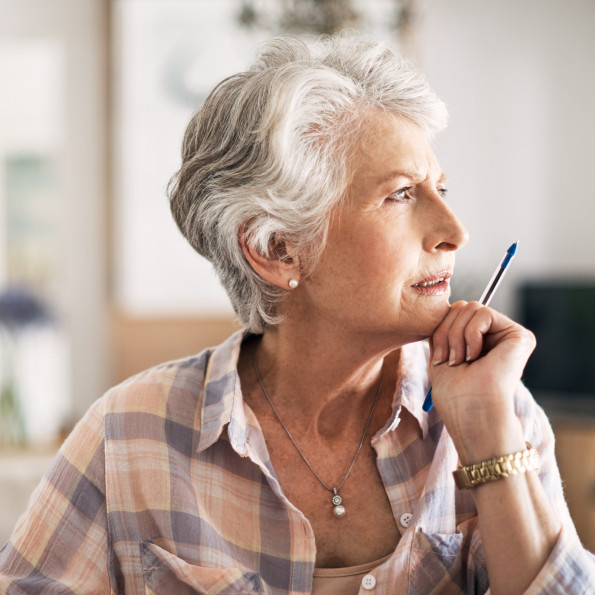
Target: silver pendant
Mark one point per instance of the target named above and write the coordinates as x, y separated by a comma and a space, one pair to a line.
338, 510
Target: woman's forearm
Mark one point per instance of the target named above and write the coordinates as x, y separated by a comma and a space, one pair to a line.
518, 527
518, 530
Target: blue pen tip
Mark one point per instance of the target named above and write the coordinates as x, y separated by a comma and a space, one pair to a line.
509, 255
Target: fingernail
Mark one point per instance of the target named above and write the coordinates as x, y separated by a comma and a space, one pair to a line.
451, 357
438, 358
468, 356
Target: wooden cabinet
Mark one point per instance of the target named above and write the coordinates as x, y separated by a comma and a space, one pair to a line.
575, 453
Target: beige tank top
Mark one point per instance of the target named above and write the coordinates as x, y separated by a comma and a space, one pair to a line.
342, 581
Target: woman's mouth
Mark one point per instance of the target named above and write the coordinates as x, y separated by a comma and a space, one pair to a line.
437, 284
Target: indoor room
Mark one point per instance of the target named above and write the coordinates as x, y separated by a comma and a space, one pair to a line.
98, 284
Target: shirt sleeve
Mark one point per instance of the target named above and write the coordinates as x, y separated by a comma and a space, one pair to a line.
570, 568
62, 540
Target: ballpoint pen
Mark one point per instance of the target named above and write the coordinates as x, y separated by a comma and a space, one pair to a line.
485, 299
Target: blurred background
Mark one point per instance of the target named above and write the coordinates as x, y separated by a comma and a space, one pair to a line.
96, 282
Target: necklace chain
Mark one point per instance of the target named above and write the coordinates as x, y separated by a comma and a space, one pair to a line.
339, 510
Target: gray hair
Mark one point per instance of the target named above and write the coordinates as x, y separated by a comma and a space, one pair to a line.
267, 155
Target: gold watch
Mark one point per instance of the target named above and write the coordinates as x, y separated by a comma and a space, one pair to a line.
470, 476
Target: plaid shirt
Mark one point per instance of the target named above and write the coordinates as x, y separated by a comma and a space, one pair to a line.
166, 487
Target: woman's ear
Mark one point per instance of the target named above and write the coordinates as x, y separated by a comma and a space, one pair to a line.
280, 267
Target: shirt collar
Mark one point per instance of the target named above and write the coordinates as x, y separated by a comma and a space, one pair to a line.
220, 394
412, 385
221, 398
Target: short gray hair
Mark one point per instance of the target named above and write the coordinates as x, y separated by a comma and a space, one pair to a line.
267, 154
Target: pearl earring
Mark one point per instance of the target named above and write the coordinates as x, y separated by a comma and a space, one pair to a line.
293, 283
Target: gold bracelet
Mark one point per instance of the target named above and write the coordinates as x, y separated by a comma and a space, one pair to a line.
470, 476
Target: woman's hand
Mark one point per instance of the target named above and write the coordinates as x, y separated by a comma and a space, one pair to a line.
478, 356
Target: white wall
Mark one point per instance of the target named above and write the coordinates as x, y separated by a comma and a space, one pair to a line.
519, 82
79, 27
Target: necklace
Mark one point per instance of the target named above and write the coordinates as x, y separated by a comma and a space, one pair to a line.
338, 508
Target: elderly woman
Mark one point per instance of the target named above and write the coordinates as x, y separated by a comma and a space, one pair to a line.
296, 456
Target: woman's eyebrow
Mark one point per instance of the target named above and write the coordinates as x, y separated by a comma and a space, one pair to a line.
414, 175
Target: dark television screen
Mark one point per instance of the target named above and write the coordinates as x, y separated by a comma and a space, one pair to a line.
562, 316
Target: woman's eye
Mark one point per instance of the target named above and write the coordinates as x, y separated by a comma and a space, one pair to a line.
399, 195
443, 192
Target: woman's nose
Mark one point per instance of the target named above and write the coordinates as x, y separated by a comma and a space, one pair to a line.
446, 232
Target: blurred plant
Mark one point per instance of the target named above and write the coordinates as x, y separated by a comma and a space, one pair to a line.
19, 309
316, 16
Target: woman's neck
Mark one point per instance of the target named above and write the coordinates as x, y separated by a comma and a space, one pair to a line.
324, 387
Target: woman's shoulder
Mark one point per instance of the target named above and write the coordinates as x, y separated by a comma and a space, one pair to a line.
171, 390
148, 390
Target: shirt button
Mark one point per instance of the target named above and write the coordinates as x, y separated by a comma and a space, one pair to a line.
369, 582
405, 519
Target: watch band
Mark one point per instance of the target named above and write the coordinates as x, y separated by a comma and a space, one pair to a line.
470, 476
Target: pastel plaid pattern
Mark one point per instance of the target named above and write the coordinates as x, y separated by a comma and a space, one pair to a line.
166, 487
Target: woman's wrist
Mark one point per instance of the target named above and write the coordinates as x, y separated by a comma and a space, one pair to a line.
489, 438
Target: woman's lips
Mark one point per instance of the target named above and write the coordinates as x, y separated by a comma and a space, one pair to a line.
436, 284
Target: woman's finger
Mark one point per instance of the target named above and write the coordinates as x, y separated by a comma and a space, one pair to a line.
440, 348
475, 332
460, 331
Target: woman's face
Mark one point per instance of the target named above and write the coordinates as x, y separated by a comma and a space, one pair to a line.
390, 249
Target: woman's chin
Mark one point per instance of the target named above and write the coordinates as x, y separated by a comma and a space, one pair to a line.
419, 329
431, 321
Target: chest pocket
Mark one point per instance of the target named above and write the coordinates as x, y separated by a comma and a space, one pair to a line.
165, 574
447, 563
